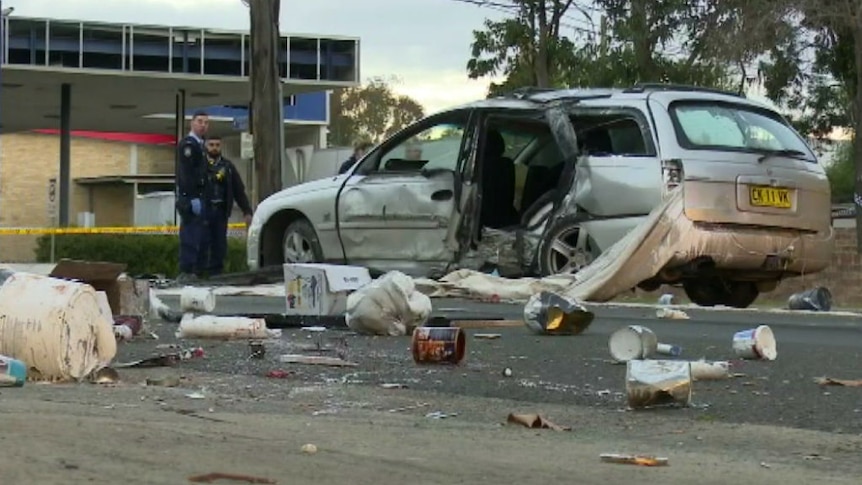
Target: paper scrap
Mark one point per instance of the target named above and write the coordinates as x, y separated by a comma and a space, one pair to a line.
535, 421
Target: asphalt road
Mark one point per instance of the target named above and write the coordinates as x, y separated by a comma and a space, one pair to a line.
577, 370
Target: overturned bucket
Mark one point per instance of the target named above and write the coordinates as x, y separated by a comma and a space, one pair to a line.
438, 345
755, 343
197, 300
553, 314
631, 343
817, 299
658, 382
56, 327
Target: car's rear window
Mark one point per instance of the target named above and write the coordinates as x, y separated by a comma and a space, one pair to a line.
727, 126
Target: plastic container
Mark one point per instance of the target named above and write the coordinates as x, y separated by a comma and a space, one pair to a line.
632, 343
197, 300
438, 345
13, 372
56, 327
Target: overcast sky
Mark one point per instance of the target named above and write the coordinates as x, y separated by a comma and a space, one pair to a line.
425, 43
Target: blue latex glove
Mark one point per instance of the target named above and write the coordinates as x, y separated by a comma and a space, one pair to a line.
196, 207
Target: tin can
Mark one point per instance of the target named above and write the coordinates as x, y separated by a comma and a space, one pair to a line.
438, 345
552, 314
658, 382
256, 350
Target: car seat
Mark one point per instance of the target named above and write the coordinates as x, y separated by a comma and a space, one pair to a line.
498, 184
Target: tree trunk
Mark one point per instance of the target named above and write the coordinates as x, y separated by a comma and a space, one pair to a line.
267, 123
543, 77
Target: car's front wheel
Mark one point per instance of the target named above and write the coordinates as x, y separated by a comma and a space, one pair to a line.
714, 291
301, 244
566, 248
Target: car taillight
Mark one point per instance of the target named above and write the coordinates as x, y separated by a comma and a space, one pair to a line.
672, 173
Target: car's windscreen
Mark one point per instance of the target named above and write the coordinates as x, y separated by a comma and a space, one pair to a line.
724, 126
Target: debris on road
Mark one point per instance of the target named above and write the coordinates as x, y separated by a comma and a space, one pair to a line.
308, 449
440, 415
212, 477
552, 314
666, 299
393, 385
755, 343
256, 349
56, 327
158, 309
828, 381
671, 314
164, 382
438, 345
13, 372
632, 343
389, 306
535, 421
507, 372
702, 370
668, 349
321, 289
816, 299
224, 328
658, 382
487, 336
197, 300
105, 375
315, 360
642, 460
474, 324
135, 323
278, 374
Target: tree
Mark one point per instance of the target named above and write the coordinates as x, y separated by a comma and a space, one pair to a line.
840, 173
371, 112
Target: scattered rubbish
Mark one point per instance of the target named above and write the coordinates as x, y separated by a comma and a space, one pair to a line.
308, 449
13, 372
666, 299
224, 328
485, 323
438, 345
440, 415
197, 300
671, 314
765, 465
315, 360
535, 421
816, 456
756, 343
828, 381
668, 349
642, 460
134, 322
389, 305
409, 408
278, 374
632, 343
393, 385
105, 375
164, 382
487, 336
817, 299
314, 329
322, 289
122, 333
256, 350
195, 395
706, 371
158, 309
553, 314
212, 477
658, 382
507, 372
168, 360
56, 327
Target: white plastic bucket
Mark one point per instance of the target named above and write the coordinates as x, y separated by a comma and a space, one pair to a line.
755, 343
193, 299
707, 371
632, 343
224, 328
56, 327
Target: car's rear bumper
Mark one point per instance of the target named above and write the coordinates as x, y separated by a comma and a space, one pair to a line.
760, 250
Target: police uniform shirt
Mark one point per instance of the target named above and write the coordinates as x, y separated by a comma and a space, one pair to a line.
218, 177
193, 158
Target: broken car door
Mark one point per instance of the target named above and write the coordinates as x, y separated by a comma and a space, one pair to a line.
395, 211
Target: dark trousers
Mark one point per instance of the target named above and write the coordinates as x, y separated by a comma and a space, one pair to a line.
214, 242
192, 231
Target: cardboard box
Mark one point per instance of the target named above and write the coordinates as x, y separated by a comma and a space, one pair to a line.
126, 296
321, 289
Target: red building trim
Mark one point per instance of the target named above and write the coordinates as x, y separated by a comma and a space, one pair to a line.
137, 138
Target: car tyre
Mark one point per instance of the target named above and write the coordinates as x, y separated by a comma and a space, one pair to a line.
565, 248
300, 243
712, 292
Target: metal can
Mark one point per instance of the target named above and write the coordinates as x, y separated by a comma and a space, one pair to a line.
256, 349
438, 345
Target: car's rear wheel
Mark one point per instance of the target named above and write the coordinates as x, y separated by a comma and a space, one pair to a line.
565, 249
714, 291
301, 244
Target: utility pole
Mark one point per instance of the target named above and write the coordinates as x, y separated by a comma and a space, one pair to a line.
266, 115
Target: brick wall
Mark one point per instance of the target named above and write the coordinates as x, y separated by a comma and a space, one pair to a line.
843, 278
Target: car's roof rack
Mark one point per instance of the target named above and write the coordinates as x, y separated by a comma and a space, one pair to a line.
643, 87
525, 92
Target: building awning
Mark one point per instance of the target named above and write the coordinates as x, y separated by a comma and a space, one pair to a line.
160, 179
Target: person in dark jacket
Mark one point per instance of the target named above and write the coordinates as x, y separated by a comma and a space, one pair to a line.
359, 150
225, 187
191, 193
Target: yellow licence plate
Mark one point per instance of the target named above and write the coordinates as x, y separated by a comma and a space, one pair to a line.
761, 196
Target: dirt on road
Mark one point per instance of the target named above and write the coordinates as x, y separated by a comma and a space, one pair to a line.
131, 433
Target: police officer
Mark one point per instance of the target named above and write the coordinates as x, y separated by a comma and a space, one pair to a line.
224, 188
191, 192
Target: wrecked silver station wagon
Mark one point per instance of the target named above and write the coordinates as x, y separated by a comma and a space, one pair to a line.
541, 182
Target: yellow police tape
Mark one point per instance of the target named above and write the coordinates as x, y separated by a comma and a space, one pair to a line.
41, 231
